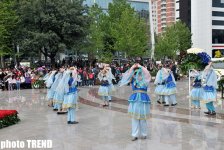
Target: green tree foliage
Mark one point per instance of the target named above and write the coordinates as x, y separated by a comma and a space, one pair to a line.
8, 22
129, 30
95, 37
50, 26
118, 30
176, 38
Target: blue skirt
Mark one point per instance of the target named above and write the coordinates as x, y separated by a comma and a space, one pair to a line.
139, 110
139, 106
159, 89
50, 94
70, 100
111, 89
208, 96
58, 98
196, 93
103, 91
169, 91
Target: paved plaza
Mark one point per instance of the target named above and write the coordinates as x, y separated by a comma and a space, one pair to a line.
170, 128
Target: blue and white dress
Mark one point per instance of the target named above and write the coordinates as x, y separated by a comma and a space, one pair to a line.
50, 90
139, 101
160, 83
197, 90
59, 95
209, 93
104, 89
71, 97
170, 86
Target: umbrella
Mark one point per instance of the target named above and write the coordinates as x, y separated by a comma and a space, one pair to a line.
195, 50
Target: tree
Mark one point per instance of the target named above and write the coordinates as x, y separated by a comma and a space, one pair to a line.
49, 26
94, 43
118, 30
129, 30
176, 38
8, 22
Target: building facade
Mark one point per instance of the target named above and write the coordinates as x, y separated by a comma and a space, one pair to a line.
164, 14
140, 6
207, 25
154, 15
183, 11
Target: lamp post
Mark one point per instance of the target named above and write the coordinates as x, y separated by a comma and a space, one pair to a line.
151, 30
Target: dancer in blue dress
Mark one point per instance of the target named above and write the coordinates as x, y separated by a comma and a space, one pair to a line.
58, 96
104, 89
170, 88
160, 84
139, 101
110, 78
196, 91
71, 96
50, 91
209, 94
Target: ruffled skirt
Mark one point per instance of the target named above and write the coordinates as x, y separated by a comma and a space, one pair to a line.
208, 96
159, 89
58, 98
103, 91
169, 91
196, 93
139, 110
111, 89
70, 100
139, 106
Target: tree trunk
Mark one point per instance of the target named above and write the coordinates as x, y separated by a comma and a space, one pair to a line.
45, 59
53, 61
2, 62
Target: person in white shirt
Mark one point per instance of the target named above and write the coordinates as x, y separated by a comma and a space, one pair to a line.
10, 83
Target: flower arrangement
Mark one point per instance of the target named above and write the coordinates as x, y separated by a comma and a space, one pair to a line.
195, 61
8, 117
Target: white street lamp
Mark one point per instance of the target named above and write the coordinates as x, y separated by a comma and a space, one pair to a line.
151, 30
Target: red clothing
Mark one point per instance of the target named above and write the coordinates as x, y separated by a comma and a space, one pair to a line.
91, 76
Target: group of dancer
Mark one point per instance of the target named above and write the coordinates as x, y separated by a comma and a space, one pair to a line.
204, 89
62, 92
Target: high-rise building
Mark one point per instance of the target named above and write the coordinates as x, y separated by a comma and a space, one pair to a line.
154, 15
183, 11
207, 25
163, 13
166, 13
140, 6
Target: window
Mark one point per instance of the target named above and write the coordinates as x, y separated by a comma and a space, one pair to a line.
216, 65
217, 22
218, 3
217, 36
218, 13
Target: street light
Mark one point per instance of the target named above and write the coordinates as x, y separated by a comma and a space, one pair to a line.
151, 30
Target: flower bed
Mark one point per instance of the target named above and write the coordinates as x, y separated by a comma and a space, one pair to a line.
8, 117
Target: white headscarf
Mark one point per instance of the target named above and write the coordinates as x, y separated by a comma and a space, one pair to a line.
49, 80
210, 77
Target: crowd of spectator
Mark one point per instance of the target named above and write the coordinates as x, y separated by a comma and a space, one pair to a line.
24, 77
17, 78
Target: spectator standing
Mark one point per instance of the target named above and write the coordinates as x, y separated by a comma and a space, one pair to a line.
9, 81
91, 78
18, 81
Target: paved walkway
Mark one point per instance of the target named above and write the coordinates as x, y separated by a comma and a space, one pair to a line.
172, 128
